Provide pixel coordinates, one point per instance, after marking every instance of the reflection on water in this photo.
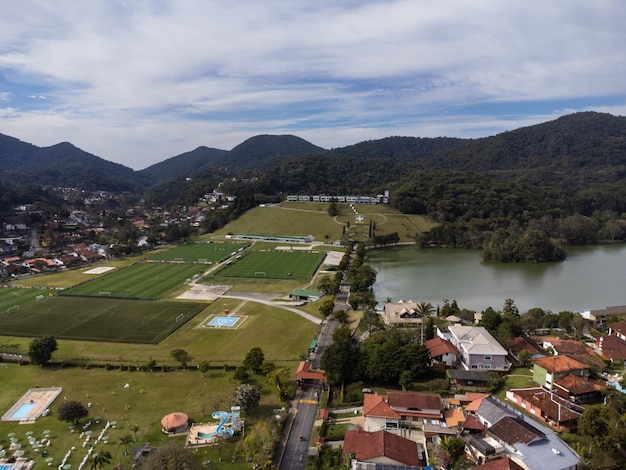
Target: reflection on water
(590, 278)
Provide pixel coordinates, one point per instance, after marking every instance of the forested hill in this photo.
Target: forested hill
(62, 164)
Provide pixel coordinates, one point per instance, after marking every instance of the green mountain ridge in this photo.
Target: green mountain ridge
(287, 163)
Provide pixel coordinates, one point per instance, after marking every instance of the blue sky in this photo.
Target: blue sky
(136, 82)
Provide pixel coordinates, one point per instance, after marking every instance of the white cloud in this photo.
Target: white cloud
(129, 80)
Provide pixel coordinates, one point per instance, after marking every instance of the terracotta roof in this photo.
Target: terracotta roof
(439, 346)
(453, 417)
(556, 408)
(503, 463)
(577, 385)
(612, 347)
(576, 350)
(471, 396)
(174, 420)
(473, 424)
(474, 405)
(618, 326)
(515, 430)
(366, 446)
(376, 405)
(414, 400)
(555, 364)
(304, 372)
(522, 343)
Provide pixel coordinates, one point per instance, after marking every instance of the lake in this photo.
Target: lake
(590, 278)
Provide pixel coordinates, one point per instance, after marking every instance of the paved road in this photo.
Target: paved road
(292, 452)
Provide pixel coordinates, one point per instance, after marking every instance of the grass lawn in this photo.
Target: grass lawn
(14, 299)
(299, 265)
(148, 398)
(71, 277)
(192, 252)
(142, 280)
(518, 377)
(99, 319)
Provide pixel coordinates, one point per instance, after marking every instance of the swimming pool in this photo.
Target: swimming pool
(22, 412)
(5, 467)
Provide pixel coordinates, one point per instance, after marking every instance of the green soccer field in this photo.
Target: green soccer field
(99, 319)
(12, 299)
(275, 265)
(139, 281)
(192, 252)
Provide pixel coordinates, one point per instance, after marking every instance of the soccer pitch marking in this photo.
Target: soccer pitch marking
(220, 321)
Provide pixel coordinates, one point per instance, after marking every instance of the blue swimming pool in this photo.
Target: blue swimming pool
(5, 467)
(21, 412)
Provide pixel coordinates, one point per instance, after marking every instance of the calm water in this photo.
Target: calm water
(590, 278)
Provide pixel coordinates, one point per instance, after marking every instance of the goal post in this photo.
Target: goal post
(259, 274)
(180, 317)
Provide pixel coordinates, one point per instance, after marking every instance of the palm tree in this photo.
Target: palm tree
(425, 309)
(125, 441)
(135, 429)
(101, 459)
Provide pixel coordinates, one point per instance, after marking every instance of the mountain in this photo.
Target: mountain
(262, 150)
(62, 164)
(286, 163)
(185, 164)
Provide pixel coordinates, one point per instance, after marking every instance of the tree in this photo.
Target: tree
(370, 322)
(100, 459)
(341, 316)
(247, 397)
(254, 360)
(204, 367)
(172, 456)
(524, 358)
(181, 356)
(260, 441)
(72, 411)
(327, 307)
(406, 377)
(40, 350)
(125, 441)
(594, 422)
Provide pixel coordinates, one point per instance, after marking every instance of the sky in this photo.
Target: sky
(139, 81)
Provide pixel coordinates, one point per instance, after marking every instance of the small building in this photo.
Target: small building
(547, 406)
(612, 348)
(175, 423)
(305, 374)
(398, 410)
(579, 390)
(468, 379)
(305, 295)
(382, 447)
(443, 351)
(547, 370)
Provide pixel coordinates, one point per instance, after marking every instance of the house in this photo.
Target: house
(443, 351)
(547, 406)
(612, 347)
(547, 370)
(579, 390)
(601, 316)
(618, 329)
(402, 314)
(399, 409)
(575, 350)
(478, 349)
(526, 343)
(528, 443)
(501, 463)
(468, 379)
(383, 447)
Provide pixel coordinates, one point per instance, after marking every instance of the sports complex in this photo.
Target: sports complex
(141, 303)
